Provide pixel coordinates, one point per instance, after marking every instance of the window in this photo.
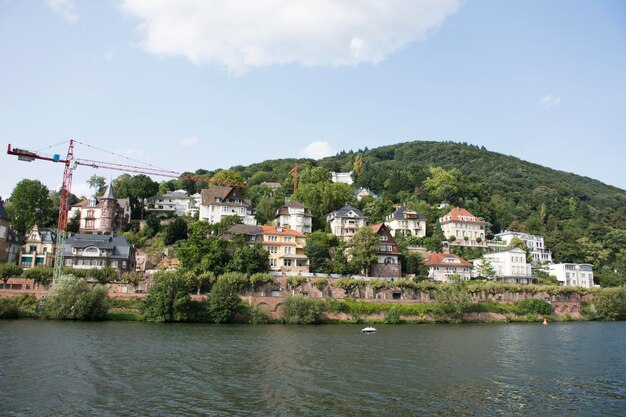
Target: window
(384, 238)
(114, 264)
(390, 260)
(273, 262)
(287, 250)
(287, 262)
(32, 249)
(272, 249)
(287, 238)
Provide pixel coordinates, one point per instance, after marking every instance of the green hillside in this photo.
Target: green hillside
(581, 219)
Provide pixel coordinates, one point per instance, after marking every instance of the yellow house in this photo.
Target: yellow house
(286, 249)
(38, 249)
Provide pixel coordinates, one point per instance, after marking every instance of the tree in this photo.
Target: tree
(317, 249)
(168, 298)
(9, 271)
(177, 230)
(97, 183)
(454, 298)
(228, 177)
(136, 188)
(73, 226)
(30, 205)
(224, 301)
(152, 224)
(442, 185)
(358, 165)
(362, 252)
(485, 269)
(322, 198)
(71, 298)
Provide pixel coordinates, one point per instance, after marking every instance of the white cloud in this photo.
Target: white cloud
(188, 142)
(65, 8)
(81, 189)
(317, 149)
(549, 101)
(244, 34)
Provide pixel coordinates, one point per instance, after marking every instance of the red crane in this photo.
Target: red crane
(70, 165)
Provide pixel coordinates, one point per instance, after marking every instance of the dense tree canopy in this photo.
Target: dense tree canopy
(30, 205)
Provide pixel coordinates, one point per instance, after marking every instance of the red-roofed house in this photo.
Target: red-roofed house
(462, 228)
(388, 263)
(286, 249)
(442, 265)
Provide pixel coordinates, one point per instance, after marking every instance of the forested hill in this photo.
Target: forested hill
(582, 219)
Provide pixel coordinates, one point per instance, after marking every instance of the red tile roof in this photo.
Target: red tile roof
(284, 231)
(438, 259)
(460, 214)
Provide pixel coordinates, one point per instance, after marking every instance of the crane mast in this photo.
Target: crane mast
(66, 189)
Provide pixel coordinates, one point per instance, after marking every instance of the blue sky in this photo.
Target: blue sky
(186, 85)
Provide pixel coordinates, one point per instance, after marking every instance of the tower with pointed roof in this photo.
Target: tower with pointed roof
(108, 206)
(104, 214)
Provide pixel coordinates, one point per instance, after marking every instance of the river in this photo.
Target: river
(123, 369)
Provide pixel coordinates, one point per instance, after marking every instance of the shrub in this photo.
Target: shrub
(104, 275)
(224, 302)
(533, 306)
(610, 304)
(393, 316)
(71, 298)
(9, 308)
(259, 314)
(168, 298)
(298, 309)
(41, 274)
(9, 271)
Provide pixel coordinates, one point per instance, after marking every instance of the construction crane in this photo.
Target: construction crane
(71, 164)
(294, 171)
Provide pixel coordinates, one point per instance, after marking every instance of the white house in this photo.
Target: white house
(509, 265)
(462, 228)
(295, 216)
(218, 202)
(175, 202)
(360, 193)
(406, 222)
(345, 222)
(535, 243)
(580, 275)
(343, 177)
(442, 265)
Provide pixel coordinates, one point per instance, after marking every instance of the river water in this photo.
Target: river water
(123, 369)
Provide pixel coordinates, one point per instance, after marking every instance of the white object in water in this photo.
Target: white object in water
(368, 330)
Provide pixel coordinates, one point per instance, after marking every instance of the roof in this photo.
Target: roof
(376, 227)
(403, 211)
(118, 244)
(438, 259)
(3, 213)
(218, 191)
(461, 214)
(245, 229)
(343, 212)
(283, 231)
(359, 191)
(284, 209)
(109, 194)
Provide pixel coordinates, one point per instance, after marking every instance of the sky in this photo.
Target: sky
(188, 84)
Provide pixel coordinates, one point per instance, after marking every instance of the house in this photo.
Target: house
(38, 249)
(387, 252)
(342, 177)
(286, 249)
(535, 243)
(219, 201)
(295, 216)
(462, 228)
(345, 222)
(252, 234)
(442, 265)
(406, 222)
(360, 193)
(177, 202)
(104, 214)
(87, 251)
(580, 275)
(509, 266)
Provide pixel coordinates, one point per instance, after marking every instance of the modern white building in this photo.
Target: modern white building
(580, 275)
(406, 222)
(175, 202)
(343, 177)
(360, 193)
(442, 265)
(462, 228)
(345, 222)
(509, 265)
(535, 243)
(218, 202)
(295, 216)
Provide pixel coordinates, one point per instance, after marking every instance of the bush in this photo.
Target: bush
(393, 316)
(41, 274)
(168, 298)
(609, 304)
(298, 309)
(259, 314)
(104, 275)
(533, 306)
(71, 298)
(9, 271)
(9, 308)
(224, 301)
